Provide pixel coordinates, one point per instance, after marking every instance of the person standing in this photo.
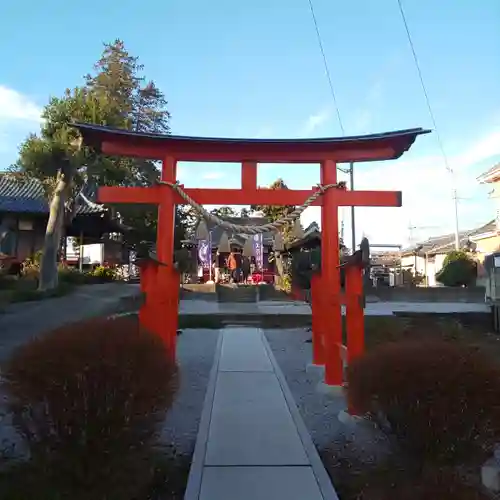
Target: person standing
(234, 265)
(239, 262)
(245, 268)
(231, 264)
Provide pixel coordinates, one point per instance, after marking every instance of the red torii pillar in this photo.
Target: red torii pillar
(160, 312)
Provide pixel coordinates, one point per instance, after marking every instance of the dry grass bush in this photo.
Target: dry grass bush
(393, 478)
(442, 399)
(87, 400)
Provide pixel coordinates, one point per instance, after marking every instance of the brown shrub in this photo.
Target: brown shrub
(442, 399)
(443, 484)
(392, 478)
(89, 396)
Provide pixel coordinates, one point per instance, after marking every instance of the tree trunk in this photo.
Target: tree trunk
(278, 265)
(4, 231)
(53, 233)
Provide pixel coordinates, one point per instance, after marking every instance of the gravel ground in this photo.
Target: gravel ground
(195, 354)
(319, 410)
(20, 322)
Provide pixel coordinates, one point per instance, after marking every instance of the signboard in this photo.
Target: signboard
(258, 250)
(25, 225)
(205, 252)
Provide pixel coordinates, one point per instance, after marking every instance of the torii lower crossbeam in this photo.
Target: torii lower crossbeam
(155, 194)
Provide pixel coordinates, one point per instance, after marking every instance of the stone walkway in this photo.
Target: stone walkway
(252, 443)
(301, 308)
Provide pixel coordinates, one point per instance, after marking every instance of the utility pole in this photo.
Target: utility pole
(457, 234)
(350, 171)
(410, 232)
(353, 221)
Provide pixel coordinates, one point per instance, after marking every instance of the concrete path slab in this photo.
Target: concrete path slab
(251, 423)
(243, 351)
(259, 483)
(252, 443)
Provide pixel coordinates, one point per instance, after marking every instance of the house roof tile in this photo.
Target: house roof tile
(446, 243)
(236, 237)
(28, 196)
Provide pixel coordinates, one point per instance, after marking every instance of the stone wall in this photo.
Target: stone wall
(426, 294)
(207, 291)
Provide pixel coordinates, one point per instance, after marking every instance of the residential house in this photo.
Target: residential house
(492, 176)
(488, 239)
(427, 257)
(24, 213)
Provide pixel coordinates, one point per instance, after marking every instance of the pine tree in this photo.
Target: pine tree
(116, 95)
(117, 78)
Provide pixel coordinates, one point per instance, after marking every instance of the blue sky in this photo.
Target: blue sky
(254, 69)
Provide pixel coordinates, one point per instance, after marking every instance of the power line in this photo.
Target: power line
(327, 70)
(424, 89)
(433, 118)
(339, 117)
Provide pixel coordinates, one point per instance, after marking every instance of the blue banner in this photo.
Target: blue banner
(258, 251)
(205, 252)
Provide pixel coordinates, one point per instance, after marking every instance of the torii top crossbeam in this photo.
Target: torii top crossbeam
(374, 147)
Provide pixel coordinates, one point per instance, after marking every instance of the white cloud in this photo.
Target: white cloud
(362, 121)
(4, 142)
(264, 132)
(426, 188)
(209, 176)
(365, 116)
(315, 121)
(15, 106)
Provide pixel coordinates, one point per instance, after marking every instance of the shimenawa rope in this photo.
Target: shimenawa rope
(252, 229)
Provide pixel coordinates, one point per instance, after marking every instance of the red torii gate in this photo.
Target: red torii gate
(161, 284)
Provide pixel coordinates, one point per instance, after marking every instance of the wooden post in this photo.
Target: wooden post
(355, 320)
(318, 351)
(248, 176)
(329, 302)
(80, 258)
(146, 311)
(165, 287)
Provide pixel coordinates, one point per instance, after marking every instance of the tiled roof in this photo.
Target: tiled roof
(239, 238)
(22, 196)
(445, 243)
(28, 196)
(390, 259)
(487, 228)
(490, 175)
(312, 233)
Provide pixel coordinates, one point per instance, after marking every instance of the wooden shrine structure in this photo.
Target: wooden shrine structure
(160, 281)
